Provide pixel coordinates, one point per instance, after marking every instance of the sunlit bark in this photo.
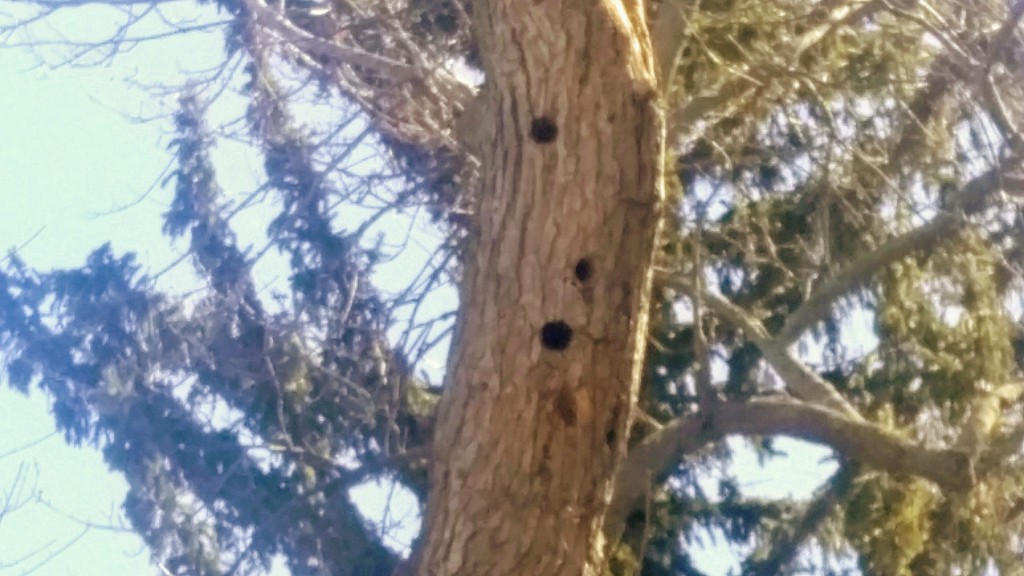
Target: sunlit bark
(546, 363)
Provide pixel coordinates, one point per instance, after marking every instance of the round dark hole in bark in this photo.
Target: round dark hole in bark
(556, 335)
(543, 130)
(636, 518)
(583, 270)
(609, 437)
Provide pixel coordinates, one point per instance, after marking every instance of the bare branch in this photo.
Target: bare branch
(56, 4)
(27, 445)
(310, 43)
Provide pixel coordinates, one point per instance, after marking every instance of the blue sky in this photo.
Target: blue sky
(66, 157)
(69, 156)
(77, 169)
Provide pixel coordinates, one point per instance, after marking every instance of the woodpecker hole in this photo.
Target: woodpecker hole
(583, 270)
(609, 437)
(636, 518)
(556, 335)
(543, 130)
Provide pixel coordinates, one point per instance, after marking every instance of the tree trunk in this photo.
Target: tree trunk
(549, 347)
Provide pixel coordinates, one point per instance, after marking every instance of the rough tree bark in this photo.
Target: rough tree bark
(548, 351)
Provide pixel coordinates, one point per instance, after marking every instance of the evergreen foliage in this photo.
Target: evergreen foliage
(829, 160)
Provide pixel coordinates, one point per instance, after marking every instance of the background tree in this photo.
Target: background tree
(838, 159)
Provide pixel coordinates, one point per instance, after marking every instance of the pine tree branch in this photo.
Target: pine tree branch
(803, 382)
(858, 440)
(971, 199)
(719, 100)
(783, 552)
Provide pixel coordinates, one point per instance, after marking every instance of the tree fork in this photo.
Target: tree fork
(546, 361)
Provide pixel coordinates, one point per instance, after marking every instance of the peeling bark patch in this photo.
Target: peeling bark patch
(556, 335)
(565, 406)
(543, 130)
(583, 270)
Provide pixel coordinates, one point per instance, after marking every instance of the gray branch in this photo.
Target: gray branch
(307, 42)
(861, 441)
(667, 35)
(801, 381)
(970, 199)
